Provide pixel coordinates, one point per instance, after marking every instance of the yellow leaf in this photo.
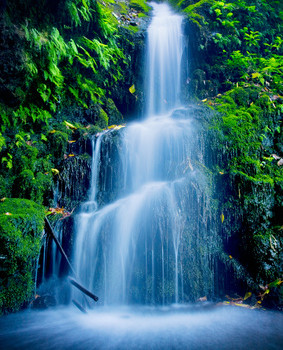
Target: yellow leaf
(243, 305)
(222, 217)
(72, 141)
(255, 75)
(52, 131)
(3, 199)
(221, 173)
(230, 256)
(204, 100)
(69, 125)
(116, 127)
(71, 155)
(132, 89)
(8, 213)
(55, 171)
(247, 295)
(119, 127)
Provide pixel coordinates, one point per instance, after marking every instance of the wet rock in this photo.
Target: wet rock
(44, 302)
(115, 117)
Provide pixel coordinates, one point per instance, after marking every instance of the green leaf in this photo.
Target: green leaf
(43, 137)
(255, 75)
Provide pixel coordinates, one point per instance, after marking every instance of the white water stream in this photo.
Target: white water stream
(129, 249)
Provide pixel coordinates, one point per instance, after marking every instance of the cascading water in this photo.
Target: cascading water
(164, 54)
(146, 234)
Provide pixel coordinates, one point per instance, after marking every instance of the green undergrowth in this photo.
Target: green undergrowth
(192, 9)
(71, 61)
(140, 5)
(249, 133)
(237, 72)
(21, 228)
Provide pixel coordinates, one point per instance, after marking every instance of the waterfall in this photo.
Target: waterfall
(149, 237)
(164, 54)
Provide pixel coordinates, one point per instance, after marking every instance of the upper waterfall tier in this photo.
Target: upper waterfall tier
(164, 52)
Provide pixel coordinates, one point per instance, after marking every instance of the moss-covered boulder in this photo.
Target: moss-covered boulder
(21, 227)
(139, 5)
(115, 117)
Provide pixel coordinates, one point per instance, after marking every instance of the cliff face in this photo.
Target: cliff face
(234, 51)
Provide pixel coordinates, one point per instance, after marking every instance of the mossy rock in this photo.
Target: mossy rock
(21, 227)
(139, 5)
(240, 96)
(115, 117)
(97, 116)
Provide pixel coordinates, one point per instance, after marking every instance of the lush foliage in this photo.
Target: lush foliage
(21, 227)
(247, 37)
(69, 57)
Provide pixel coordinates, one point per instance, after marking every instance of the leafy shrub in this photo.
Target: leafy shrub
(21, 227)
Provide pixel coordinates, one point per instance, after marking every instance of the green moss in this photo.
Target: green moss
(133, 29)
(58, 141)
(139, 5)
(192, 9)
(141, 15)
(102, 118)
(21, 226)
(240, 96)
(115, 117)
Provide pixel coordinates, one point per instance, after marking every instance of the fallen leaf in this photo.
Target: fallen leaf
(132, 89)
(55, 171)
(247, 295)
(112, 126)
(69, 125)
(280, 162)
(53, 211)
(222, 217)
(230, 256)
(244, 305)
(202, 299)
(3, 199)
(275, 156)
(8, 213)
